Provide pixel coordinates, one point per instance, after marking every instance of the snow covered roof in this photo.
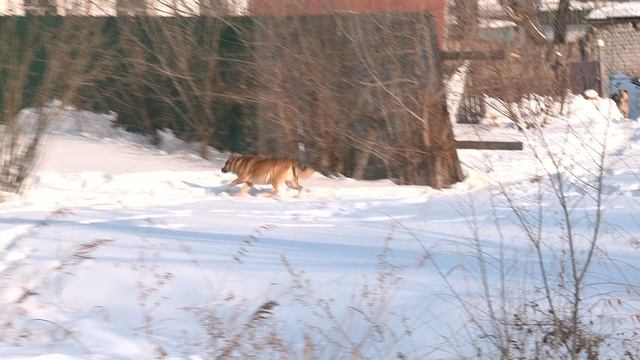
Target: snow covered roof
(496, 23)
(546, 5)
(574, 32)
(552, 5)
(616, 11)
(599, 9)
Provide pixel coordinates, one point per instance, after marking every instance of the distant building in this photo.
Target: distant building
(493, 16)
(616, 32)
(616, 28)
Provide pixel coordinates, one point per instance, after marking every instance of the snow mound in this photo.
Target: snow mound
(541, 110)
(611, 10)
(573, 140)
(67, 120)
(596, 109)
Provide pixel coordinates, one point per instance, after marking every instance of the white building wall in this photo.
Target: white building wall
(11, 7)
(108, 7)
(86, 7)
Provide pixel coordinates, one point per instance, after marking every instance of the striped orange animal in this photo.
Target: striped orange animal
(254, 169)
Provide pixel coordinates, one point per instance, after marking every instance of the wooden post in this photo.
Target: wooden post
(489, 145)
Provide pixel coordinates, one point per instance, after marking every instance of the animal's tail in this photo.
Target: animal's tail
(302, 172)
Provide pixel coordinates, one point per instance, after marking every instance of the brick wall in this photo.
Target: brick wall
(620, 51)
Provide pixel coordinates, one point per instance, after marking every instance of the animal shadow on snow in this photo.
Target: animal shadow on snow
(224, 189)
(208, 189)
(636, 136)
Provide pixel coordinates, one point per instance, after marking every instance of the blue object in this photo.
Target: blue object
(618, 81)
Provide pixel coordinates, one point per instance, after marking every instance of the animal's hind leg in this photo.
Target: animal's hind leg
(294, 185)
(275, 189)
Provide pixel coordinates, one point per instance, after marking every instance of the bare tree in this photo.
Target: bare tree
(560, 22)
(524, 14)
(405, 73)
(344, 90)
(555, 312)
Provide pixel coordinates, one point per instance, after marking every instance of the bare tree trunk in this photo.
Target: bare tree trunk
(443, 164)
(523, 13)
(205, 137)
(364, 153)
(560, 22)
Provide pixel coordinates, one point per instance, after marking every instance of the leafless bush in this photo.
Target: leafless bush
(182, 64)
(16, 323)
(41, 59)
(246, 334)
(562, 306)
(250, 241)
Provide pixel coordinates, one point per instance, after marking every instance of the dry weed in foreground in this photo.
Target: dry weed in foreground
(17, 323)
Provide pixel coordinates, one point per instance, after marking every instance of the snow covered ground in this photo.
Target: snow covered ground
(122, 250)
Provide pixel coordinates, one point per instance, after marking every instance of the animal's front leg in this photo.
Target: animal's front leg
(244, 190)
(235, 182)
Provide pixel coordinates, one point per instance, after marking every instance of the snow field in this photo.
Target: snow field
(165, 242)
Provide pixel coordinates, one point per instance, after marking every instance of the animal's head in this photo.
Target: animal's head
(303, 172)
(624, 94)
(228, 164)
